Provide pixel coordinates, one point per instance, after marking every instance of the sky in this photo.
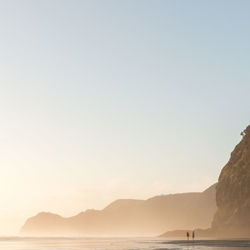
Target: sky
(102, 100)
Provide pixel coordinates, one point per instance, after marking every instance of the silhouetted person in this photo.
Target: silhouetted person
(193, 235)
(187, 235)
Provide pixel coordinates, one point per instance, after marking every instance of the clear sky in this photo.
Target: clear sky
(102, 100)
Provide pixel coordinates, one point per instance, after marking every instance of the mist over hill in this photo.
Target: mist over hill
(130, 217)
(225, 204)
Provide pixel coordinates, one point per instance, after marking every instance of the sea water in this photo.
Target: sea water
(18, 243)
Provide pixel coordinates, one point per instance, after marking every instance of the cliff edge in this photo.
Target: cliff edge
(233, 192)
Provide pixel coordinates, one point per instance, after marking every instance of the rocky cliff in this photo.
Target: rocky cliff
(232, 218)
(233, 192)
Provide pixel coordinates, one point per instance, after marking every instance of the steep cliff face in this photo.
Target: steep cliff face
(233, 192)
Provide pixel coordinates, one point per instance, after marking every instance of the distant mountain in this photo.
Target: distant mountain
(131, 217)
(232, 219)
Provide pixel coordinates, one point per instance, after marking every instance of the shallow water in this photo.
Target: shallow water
(16, 243)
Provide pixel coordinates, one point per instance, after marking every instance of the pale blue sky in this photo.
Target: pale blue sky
(107, 99)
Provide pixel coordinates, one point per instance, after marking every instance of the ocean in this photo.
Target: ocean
(19, 243)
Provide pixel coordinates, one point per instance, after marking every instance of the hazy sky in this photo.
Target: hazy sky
(102, 100)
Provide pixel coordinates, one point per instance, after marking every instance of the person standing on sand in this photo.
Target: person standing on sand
(193, 235)
(187, 235)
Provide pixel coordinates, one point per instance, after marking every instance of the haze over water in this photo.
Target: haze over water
(116, 244)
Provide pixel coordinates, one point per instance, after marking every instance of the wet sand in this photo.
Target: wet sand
(19, 243)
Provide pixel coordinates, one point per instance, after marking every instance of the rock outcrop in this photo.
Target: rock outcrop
(232, 218)
(233, 192)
